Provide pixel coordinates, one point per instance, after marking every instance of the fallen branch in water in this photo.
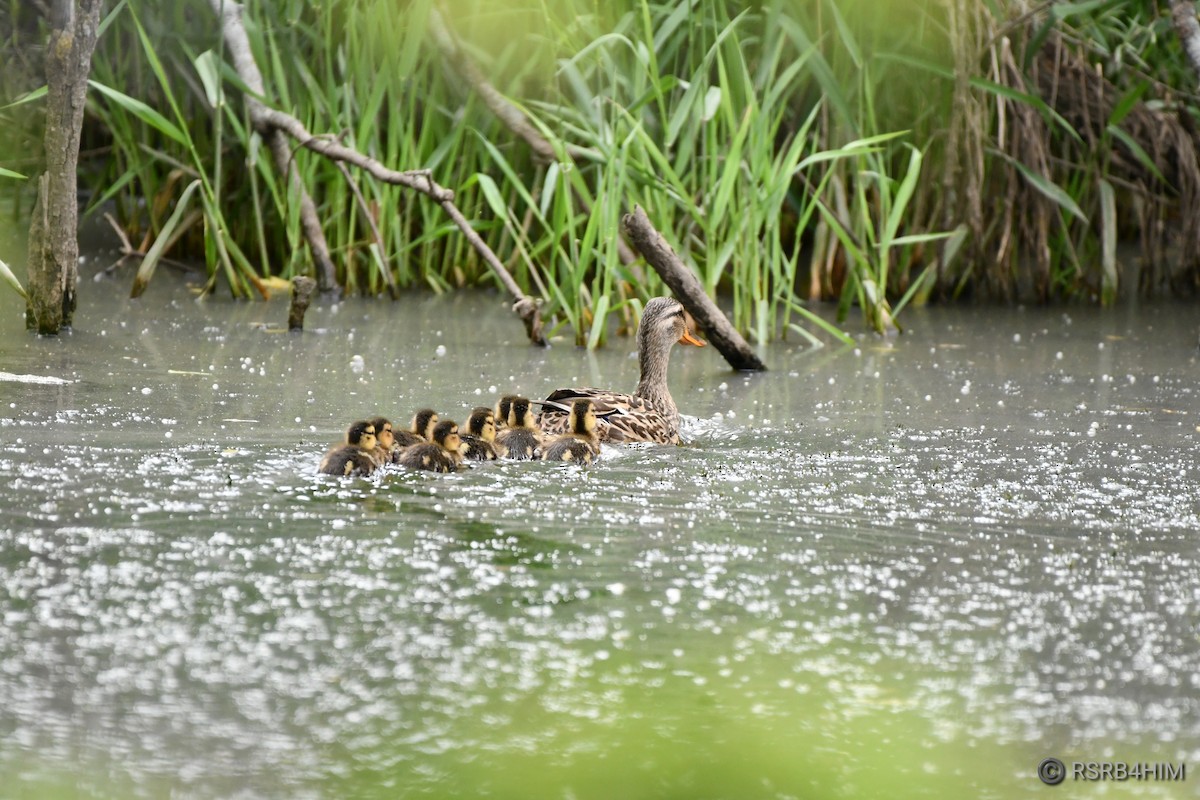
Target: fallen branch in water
(278, 123)
(687, 289)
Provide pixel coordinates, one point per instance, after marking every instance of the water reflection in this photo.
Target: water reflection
(912, 568)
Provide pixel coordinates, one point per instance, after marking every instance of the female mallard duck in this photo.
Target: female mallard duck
(649, 414)
(479, 442)
(386, 450)
(579, 444)
(356, 455)
(440, 455)
(521, 438)
(420, 431)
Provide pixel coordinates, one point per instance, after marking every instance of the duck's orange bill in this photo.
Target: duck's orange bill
(687, 338)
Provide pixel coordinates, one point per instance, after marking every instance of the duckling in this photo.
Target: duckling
(386, 451)
(580, 444)
(503, 406)
(479, 441)
(441, 455)
(521, 438)
(355, 456)
(420, 431)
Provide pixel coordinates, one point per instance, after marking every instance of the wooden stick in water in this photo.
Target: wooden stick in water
(302, 292)
(687, 289)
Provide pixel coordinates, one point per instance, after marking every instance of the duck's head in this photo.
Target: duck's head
(583, 418)
(503, 406)
(383, 432)
(520, 415)
(482, 423)
(361, 434)
(423, 423)
(663, 325)
(445, 436)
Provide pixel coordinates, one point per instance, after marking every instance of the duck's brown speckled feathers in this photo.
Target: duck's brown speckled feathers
(648, 414)
(521, 439)
(440, 455)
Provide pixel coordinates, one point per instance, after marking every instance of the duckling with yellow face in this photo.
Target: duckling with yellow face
(356, 455)
(521, 438)
(580, 444)
(386, 451)
(479, 442)
(419, 431)
(443, 454)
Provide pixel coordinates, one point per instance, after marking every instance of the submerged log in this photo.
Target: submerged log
(53, 235)
(687, 289)
(302, 292)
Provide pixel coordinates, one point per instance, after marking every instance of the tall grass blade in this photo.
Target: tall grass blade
(28, 97)
(599, 319)
(11, 280)
(146, 269)
(1046, 187)
(142, 111)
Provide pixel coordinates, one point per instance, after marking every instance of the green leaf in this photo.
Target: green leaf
(142, 111)
(1061, 11)
(1138, 151)
(29, 97)
(11, 280)
(1046, 187)
(821, 323)
(8, 173)
(900, 202)
(1038, 103)
(848, 40)
(146, 270)
(491, 193)
(209, 70)
(549, 185)
(598, 320)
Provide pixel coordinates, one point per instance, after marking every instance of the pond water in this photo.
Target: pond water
(907, 568)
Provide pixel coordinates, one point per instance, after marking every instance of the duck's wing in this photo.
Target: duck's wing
(621, 417)
(640, 424)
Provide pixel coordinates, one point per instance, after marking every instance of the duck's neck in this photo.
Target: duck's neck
(653, 384)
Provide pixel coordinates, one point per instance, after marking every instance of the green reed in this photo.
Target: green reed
(790, 152)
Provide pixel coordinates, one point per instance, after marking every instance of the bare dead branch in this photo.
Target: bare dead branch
(1183, 15)
(687, 289)
(278, 123)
